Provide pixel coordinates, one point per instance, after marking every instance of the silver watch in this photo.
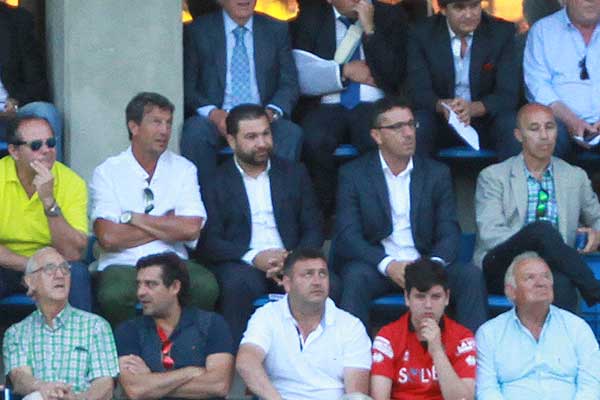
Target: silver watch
(125, 217)
(54, 210)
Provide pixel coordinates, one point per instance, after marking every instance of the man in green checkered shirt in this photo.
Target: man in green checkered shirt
(58, 352)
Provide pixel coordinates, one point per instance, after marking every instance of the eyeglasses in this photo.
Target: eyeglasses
(542, 204)
(397, 127)
(50, 269)
(165, 350)
(583, 75)
(148, 200)
(35, 145)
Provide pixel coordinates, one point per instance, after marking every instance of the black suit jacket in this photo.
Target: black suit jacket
(364, 215)
(22, 69)
(205, 63)
(493, 70)
(228, 229)
(314, 31)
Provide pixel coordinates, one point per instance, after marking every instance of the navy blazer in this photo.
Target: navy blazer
(364, 214)
(228, 229)
(493, 72)
(205, 63)
(22, 69)
(385, 52)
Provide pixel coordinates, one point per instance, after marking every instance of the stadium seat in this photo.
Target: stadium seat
(592, 314)
(467, 153)
(17, 300)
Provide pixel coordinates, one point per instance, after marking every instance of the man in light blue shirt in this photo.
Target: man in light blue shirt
(536, 350)
(561, 68)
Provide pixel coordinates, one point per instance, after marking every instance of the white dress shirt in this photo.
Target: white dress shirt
(118, 185)
(3, 96)
(311, 369)
(264, 234)
(399, 246)
(367, 93)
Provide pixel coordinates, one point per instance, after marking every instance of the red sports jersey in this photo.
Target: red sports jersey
(398, 355)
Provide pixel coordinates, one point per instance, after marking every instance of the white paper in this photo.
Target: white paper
(592, 142)
(349, 43)
(466, 132)
(316, 76)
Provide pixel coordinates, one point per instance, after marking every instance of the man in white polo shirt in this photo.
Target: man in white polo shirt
(303, 346)
(146, 200)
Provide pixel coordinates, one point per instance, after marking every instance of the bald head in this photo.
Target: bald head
(529, 109)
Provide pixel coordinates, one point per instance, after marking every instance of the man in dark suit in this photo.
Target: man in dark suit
(23, 85)
(343, 115)
(466, 60)
(262, 208)
(232, 57)
(394, 208)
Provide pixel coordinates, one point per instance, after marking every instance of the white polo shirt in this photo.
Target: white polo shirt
(118, 185)
(312, 369)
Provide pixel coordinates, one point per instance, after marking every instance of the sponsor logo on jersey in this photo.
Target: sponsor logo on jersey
(423, 375)
(470, 360)
(466, 345)
(383, 346)
(377, 357)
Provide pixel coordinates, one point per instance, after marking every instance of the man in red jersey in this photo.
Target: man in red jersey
(424, 354)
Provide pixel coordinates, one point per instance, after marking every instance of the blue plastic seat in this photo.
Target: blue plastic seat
(17, 300)
(592, 314)
(588, 157)
(3, 145)
(465, 152)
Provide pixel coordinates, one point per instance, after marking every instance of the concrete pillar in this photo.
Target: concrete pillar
(101, 53)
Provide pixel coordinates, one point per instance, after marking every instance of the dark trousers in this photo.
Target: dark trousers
(201, 142)
(496, 133)
(568, 268)
(468, 299)
(325, 127)
(80, 295)
(240, 285)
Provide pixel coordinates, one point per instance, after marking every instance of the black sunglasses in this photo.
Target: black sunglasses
(542, 204)
(583, 75)
(148, 200)
(35, 145)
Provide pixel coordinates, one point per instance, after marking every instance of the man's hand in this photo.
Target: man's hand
(134, 364)
(462, 108)
(358, 71)
(270, 259)
(276, 273)
(593, 240)
(429, 330)
(578, 127)
(11, 105)
(54, 390)
(365, 11)
(43, 183)
(271, 114)
(395, 271)
(217, 117)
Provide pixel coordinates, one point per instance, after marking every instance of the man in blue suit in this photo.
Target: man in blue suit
(394, 208)
(232, 57)
(262, 208)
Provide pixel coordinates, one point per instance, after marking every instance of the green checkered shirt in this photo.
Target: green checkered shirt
(533, 187)
(79, 349)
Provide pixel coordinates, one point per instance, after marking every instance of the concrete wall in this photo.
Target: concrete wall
(100, 54)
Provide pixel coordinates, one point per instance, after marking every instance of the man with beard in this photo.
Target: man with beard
(262, 208)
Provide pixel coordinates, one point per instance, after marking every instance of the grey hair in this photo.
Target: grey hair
(32, 263)
(509, 277)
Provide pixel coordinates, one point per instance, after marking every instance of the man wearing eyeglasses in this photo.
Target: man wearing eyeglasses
(562, 71)
(146, 200)
(42, 203)
(58, 352)
(536, 202)
(395, 207)
(173, 350)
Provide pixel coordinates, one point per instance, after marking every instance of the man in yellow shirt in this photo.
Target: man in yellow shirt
(42, 203)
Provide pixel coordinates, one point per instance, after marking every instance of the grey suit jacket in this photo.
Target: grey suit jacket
(205, 63)
(501, 202)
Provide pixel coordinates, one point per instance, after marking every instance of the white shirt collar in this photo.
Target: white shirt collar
(328, 319)
(164, 157)
(244, 174)
(385, 166)
(230, 24)
(454, 35)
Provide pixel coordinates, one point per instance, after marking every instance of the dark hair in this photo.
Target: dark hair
(142, 103)
(300, 255)
(424, 274)
(384, 105)
(243, 112)
(444, 3)
(173, 269)
(12, 129)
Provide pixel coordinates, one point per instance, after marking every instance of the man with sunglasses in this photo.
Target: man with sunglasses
(146, 200)
(58, 352)
(173, 350)
(562, 71)
(536, 202)
(42, 203)
(395, 207)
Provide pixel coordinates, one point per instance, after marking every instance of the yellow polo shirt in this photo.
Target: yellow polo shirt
(23, 224)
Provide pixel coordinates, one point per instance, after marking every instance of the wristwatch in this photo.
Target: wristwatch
(125, 217)
(54, 210)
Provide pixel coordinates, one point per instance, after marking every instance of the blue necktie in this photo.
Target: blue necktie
(350, 97)
(240, 69)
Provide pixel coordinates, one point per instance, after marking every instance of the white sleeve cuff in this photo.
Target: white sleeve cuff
(439, 260)
(249, 256)
(205, 111)
(383, 265)
(275, 108)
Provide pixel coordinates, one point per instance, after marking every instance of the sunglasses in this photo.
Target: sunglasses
(397, 127)
(35, 145)
(148, 200)
(583, 75)
(165, 350)
(50, 269)
(542, 204)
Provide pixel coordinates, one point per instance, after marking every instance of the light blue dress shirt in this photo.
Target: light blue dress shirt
(562, 365)
(462, 66)
(228, 104)
(551, 66)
